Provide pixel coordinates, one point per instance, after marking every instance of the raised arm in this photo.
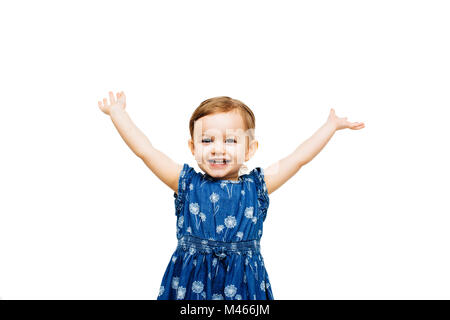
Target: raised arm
(281, 171)
(161, 165)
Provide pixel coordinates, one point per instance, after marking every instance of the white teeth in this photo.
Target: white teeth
(218, 161)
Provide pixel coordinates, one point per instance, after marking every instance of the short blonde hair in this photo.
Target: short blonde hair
(224, 104)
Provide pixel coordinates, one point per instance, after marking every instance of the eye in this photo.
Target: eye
(206, 140)
(232, 140)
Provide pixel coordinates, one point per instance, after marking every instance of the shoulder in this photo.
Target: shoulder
(257, 174)
(187, 175)
(186, 171)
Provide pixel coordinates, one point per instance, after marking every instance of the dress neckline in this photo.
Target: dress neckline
(208, 177)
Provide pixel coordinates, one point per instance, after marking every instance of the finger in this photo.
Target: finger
(111, 97)
(105, 101)
(99, 103)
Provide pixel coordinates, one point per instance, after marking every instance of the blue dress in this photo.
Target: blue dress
(219, 227)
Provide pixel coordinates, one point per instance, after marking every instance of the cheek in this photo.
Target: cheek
(240, 148)
(202, 152)
(237, 151)
(198, 152)
(232, 149)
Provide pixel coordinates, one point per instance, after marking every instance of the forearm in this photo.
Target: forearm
(131, 134)
(312, 146)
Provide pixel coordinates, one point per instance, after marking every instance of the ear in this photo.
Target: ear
(251, 150)
(191, 146)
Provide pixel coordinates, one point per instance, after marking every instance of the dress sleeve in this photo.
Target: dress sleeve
(261, 190)
(184, 180)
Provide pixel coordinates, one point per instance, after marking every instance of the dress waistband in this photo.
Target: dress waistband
(220, 248)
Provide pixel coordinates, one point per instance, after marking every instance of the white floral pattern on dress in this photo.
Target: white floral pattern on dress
(175, 282)
(197, 287)
(181, 292)
(194, 208)
(219, 228)
(180, 221)
(263, 285)
(214, 197)
(225, 185)
(248, 212)
(230, 290)
(217, 296)
(230, 222)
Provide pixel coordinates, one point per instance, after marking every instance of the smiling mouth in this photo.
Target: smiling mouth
(219, 162)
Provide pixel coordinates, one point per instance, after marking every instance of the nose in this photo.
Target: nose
(218, 147)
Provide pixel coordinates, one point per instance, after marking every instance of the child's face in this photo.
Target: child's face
(221, 136)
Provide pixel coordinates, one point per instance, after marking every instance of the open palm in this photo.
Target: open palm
(343, 123)
(114, 102)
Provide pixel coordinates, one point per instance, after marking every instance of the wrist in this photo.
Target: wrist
(332, 125)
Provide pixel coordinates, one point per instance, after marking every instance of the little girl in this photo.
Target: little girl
(220, 212)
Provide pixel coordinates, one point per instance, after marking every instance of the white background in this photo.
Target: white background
(81, 217)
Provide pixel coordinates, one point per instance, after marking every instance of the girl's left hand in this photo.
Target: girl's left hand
(342, 123)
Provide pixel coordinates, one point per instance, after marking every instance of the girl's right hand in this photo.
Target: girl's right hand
(120, 102)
